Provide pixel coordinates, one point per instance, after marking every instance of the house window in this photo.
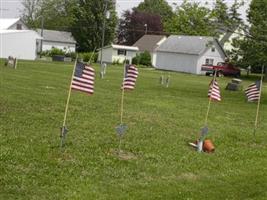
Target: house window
(209, 61)
(122, 52)
(212, 49)
(19, 26)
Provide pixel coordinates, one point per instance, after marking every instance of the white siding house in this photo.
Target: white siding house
(188, 53)
(150, 43)
(18, 43)
(56, 39)
(12, 24)
(117, 53)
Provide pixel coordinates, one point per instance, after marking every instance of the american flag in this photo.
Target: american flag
(214, 91)
(130, 78)
(83, 79)
(253, 91)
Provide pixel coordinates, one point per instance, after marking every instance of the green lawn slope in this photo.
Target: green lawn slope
(161, 121)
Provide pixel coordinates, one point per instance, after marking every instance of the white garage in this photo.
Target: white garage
(19, 43)
(188, 53)
(117, 53)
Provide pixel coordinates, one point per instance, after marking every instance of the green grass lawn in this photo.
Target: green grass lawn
(161, 121)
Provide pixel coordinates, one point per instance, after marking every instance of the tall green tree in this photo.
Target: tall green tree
(220, 13)
(234, 14)
(89, 18)
(222, 18)
(190, 19)
(56, 14)
(30, 12)
(156, 7)
(253, 49)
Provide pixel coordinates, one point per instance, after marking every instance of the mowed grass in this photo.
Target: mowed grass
(161, 121)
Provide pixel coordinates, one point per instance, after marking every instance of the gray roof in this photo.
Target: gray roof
(185, 44)
(57, 36)
(148, 42)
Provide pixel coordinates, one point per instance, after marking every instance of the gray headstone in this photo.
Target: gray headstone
(233, 86)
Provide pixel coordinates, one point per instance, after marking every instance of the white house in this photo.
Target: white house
(188, 53)
(18, 43)
(12, 24)
(117, 53)
(150, 43)
(56, 39)
(17, 40)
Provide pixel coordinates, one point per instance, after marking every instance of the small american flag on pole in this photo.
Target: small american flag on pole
(253, 91)
(130, 78)
(83, 79)
(214, 91)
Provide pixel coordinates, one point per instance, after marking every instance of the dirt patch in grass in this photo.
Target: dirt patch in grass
(122, 154)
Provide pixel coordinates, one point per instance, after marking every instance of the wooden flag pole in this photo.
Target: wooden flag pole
(208, 110)
(201, 137)
(92, 55)
(122, 103)
(258, 106)
(67, 107)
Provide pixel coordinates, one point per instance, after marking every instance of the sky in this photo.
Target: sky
(12, 8)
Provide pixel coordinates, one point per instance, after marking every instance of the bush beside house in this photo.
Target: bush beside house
(142, 59)
(61, 55)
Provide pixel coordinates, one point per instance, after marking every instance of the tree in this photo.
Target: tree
(30, 11)
(220, 17)
(56, 14)
(134, 25)
(84, 18)
(220, 13)
(190, 19)
(156, 7)
(234, 15)
(253, 50)
(88, 24)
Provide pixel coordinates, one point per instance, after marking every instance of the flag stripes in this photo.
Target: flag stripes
(83, 79)
(131, 76)
(253, 91)
(214, 91)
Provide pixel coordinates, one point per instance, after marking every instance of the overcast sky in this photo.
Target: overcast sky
(12, 8)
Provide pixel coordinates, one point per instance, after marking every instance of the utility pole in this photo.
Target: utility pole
(42, 33)
(103, 32)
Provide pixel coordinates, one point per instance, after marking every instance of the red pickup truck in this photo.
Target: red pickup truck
(222, 68)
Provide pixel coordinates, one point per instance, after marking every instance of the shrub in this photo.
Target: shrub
(136, 60)
(56, 51)
(44, 53)
(145, 59)
(86, 56)
(116, 62)
(142, 59)
(72, 55)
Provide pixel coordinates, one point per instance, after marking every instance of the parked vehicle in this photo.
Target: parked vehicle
(222, 69)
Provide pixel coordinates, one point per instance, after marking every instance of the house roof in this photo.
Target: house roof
(5, 23)
(37, 36)
(116, 46)
(57, 36)
(148, 42)
(133, 48)
(186, 44)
